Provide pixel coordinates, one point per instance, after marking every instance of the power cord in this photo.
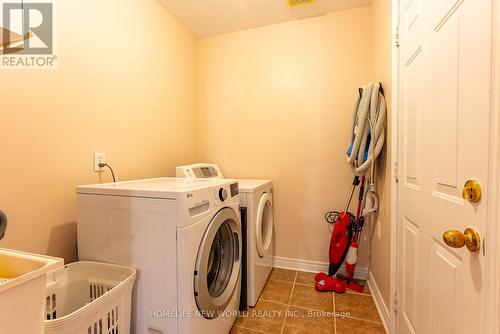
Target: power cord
(331, 218)
(102, 165)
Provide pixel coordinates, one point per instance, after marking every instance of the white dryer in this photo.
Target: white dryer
(184, 238)
(257, 215)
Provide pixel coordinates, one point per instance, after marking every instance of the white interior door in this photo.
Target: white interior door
(445, 68)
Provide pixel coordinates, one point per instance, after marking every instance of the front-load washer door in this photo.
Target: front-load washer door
(264, 225)
(218, 264)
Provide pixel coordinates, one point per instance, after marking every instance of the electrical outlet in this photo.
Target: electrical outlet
(379, 230)
(99, 158)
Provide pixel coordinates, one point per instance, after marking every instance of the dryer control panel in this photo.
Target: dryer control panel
(199, 171)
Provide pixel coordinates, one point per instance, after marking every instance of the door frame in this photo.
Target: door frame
(394, 260)
(492, 242)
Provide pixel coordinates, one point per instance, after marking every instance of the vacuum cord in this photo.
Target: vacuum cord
(331, 217)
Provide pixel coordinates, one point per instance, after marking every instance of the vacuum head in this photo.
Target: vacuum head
(351, 284)
(325, 283)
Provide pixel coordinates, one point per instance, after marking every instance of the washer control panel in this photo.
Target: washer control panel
(220, 194)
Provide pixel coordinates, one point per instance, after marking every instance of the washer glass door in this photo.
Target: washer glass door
(218, 264)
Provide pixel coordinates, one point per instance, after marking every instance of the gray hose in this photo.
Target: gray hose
(371, 105)
(369, 117)
(3, 224)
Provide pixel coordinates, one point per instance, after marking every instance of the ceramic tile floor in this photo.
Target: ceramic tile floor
(289, 304)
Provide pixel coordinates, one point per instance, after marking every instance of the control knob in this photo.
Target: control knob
(222, 194)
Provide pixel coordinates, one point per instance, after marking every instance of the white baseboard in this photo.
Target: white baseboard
(359, 273)
(382, 308)
(302, 265)
(314, 266)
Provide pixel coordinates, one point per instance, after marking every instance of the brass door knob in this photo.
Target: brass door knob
(457, 239)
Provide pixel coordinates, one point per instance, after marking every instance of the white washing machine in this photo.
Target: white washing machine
(256, 197)
(184, 238)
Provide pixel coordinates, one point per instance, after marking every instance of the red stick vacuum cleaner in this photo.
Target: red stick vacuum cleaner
(339, 245)
(352, 254)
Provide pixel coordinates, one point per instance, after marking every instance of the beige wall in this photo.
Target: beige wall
(125, 86)
(275, 102)
(382, 63)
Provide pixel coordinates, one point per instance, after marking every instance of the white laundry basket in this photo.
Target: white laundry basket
(89, 298)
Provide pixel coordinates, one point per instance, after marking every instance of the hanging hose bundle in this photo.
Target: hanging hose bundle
(368, 138)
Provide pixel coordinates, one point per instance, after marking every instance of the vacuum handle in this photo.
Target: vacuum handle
(362, 190)
(360, 198)
(355, 181)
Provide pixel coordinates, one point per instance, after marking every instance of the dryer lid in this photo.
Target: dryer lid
(253, 185)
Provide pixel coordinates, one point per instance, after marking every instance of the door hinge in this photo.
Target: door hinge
(396, 38)
(395, 298)
(396, 172)
(484, 246)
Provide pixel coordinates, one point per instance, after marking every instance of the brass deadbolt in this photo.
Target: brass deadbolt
(472, 191)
